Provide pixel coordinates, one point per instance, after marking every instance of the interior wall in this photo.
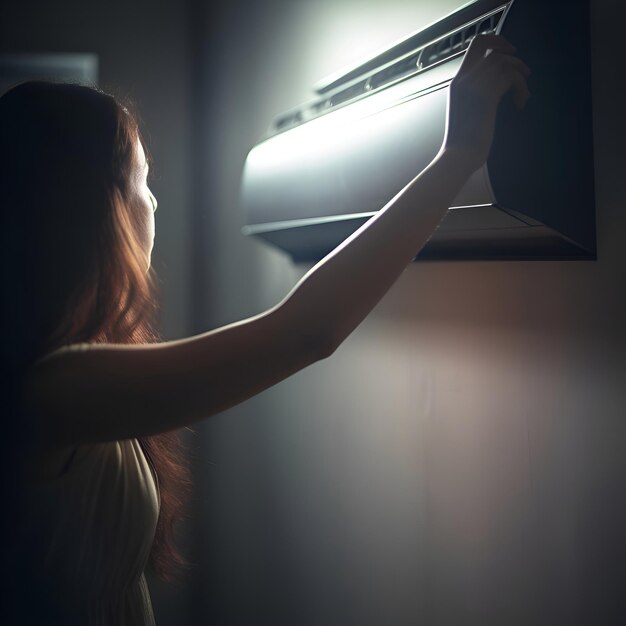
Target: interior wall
(461, 457)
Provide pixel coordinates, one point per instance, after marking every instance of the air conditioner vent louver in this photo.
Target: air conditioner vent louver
(398, 70)
(348, 94)
(288, 121)
(424, 57)
(458, 41)
(395, 71)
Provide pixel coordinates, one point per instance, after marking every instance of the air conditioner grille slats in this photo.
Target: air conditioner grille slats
(458, 41)
(395, 71)
(288, 121)
(425, 57)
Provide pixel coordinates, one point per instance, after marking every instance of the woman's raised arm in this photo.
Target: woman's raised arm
(110, 392)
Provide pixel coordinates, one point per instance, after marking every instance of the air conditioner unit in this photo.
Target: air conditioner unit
(327, 166)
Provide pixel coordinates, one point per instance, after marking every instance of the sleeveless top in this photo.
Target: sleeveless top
(92, 528)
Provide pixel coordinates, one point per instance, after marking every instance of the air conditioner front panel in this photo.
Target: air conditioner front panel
(355, 159)
(327, 166)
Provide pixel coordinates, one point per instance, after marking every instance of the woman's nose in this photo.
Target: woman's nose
(155, 204)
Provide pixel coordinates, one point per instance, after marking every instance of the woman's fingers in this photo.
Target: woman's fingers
(478, 49)
(498, 61)
(476, 91)
(501, 72)
(520, 87)
(514, 80)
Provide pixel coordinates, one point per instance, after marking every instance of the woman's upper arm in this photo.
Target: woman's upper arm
(111, 392)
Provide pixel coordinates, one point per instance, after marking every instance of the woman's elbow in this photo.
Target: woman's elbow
(318, 345)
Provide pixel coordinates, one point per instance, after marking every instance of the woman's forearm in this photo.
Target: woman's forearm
(337, 294)
(333, 298)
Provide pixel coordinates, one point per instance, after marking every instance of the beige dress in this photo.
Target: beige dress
(93, 526)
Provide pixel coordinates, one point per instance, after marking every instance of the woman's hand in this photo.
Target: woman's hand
(474, 94)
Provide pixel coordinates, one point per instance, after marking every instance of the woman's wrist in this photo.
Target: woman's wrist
(460, 159)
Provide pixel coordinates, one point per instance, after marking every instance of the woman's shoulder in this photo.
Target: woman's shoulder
(70, 348)
(46, 461)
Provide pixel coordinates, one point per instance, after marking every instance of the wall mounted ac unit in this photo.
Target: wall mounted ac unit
(328, 165)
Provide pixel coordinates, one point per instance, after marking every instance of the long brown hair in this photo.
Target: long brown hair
(78, 271)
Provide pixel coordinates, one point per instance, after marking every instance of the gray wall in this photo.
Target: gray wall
(460, 459)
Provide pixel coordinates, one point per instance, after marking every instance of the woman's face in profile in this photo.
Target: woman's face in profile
(147, 203)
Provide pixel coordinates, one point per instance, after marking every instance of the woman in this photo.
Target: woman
(95, 399)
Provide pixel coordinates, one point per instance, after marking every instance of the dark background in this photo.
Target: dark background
(461, 458)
